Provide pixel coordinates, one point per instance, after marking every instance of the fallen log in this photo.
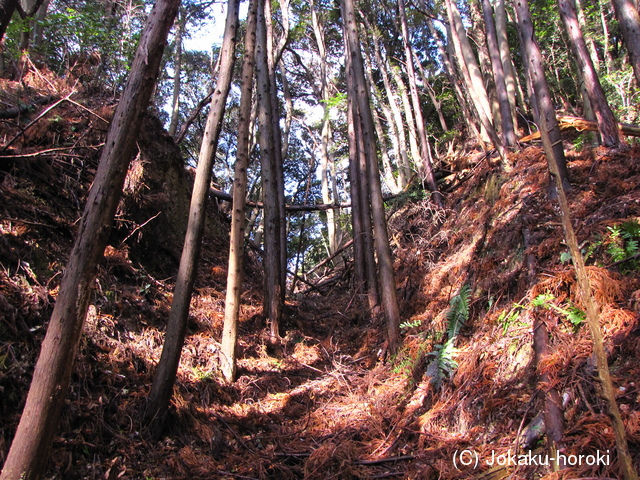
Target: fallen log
(567, 122)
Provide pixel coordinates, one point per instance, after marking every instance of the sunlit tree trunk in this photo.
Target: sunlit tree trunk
(383, 249)
(29, 453)
(453, 81)
(545, 114)
(607, 124)
(629, 21)
(508, 130)
(177, 72)
(514, 92)
(426, 165)
(326, 161)
(236, 243)
(165, 375)
(472, 75)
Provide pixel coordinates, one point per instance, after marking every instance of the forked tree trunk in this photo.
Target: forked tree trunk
(165, 375)
(236, 250)
(629, 20)
(28, 456)
(383, 249)
(607, 123)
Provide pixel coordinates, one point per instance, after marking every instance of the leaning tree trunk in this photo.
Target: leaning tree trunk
(383, 249)
(510, 78)
(28, 456)
(7, 7)
(629, 21)
(542, 105)
(165, 375)
(236, 250)
(607, 123)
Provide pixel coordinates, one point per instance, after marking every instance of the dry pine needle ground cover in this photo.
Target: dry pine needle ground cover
(326, 403)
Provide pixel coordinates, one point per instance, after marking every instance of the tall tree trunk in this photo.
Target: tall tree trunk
(383, 249)
(508, 130)
(29, 453)
(269, 153)
(177, 72)
(397, 124)
(607, 123)
(326, 160)
(236, 243)
(546, 114)
(425, 150)
(472, 75)
(514, 92)
(274, 53)
(453, 80)
(165, 375)
(629, 21)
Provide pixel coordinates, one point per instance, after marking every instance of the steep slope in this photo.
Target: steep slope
(326, 403)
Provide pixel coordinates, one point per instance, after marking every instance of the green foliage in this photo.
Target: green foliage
(458, 312)
(573, 314)
(623, 242)
(508, 318)
(414, 324)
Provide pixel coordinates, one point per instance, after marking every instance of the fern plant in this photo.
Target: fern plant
(443, 363)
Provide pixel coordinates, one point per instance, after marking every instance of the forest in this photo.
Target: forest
(347, 239)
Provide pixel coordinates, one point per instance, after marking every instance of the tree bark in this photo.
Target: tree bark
(269, 148)
(165, 375)
(629, 21)
(177, 71)
(7, 7)
(601, 109)
(508, 131)
(511, 80)
(542, 104)
(236, 243)
(28, 456)
(425, 149)
(383, 249)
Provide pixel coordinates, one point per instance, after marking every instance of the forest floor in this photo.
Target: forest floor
(328, 402)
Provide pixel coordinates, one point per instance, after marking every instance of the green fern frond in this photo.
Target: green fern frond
(458, 312)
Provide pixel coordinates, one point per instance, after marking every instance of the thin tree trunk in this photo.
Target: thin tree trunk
(472, 75)
(177, 72)
(236, 243)
(511, 80)
(453, 80)
(383, 249)
(604, 115)
(542, 104)
(29, 453)
(425, 149)
(508, 130)
(165, 375)
(629, 21)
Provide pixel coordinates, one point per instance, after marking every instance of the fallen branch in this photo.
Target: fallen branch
(48, 151)
(42, 114)
(386, 460)
(566, 122)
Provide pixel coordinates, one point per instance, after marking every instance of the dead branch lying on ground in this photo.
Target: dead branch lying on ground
(567, 122)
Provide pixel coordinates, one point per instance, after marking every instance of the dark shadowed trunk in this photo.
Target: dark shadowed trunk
(28, 456)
